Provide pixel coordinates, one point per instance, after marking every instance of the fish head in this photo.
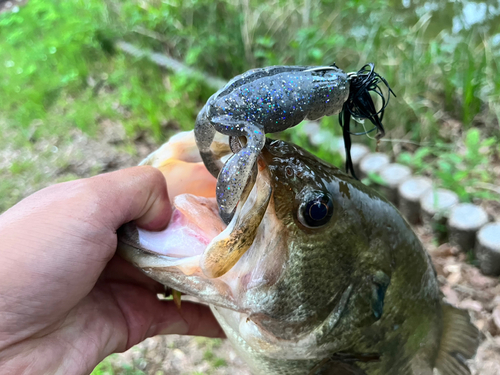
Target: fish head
(326, 252)
(316, 264)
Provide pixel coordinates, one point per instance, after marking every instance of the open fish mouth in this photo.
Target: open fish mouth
(197, 253)
(182, 243)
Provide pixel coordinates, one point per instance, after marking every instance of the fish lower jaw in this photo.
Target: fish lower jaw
(180, 246)
(150, 260)
(241, 326)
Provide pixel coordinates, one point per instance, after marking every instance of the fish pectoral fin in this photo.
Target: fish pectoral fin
(344, 364)
(459, 342)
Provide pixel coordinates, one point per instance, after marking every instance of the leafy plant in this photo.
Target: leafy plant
(104, 368)
(208, 355)
(463, 169)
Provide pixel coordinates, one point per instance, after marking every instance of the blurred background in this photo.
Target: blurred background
(92, 86)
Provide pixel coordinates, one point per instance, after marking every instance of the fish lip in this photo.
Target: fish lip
(228, 291)
(142, 257)
(129, 234)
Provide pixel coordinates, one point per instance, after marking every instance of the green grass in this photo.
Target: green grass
(461, 167)
(55, 62)
(104, 368)
(60, 70)
(209, 356)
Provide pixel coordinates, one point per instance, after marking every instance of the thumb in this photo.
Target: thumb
(138, 193)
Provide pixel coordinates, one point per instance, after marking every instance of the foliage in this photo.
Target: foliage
(208, 355)
(412, 48)
(61, 70)
(463, 169)
(104, 368)
(54, 59)
(41, 57)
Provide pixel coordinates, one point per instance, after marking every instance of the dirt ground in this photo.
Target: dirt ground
(462, 284)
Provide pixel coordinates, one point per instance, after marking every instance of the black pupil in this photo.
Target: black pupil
(318, 211)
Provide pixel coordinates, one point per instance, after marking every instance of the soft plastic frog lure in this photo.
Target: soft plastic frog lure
(273, 99)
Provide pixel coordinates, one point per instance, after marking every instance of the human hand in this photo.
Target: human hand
(66, 302)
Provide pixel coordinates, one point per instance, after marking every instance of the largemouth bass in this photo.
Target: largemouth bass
(316, 273)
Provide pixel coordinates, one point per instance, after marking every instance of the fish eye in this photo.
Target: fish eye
(316, 211)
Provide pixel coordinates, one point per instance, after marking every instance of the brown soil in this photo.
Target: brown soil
(464, 286)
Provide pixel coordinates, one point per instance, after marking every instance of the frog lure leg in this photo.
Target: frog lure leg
(234, 175)
(276, 98)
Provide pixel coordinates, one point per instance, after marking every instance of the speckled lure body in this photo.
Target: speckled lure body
(258, 102)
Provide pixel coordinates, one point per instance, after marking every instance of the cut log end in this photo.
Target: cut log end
(409, 194)
(436, 206)
(393, 175)
(488, 249)
(438, 202)
(464, 221)
(372, 163)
